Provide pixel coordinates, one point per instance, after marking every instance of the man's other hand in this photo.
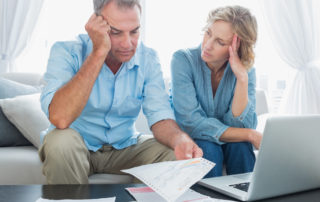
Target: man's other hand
(185, 148)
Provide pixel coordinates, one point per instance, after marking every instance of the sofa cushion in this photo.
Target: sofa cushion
(25, 113)
(22, 165)
(9, 134)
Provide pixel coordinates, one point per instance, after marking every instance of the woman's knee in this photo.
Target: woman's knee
(241, 148)
(212, 152)
(210, 149)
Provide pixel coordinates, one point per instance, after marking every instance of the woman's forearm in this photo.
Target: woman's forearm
(242, 135)
(240, 98)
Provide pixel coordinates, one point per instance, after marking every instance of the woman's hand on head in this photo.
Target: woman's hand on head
(237, 67)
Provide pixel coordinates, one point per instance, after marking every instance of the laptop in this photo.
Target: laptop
(288, 161)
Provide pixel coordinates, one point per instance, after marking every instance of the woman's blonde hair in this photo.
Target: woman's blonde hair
(244, 25)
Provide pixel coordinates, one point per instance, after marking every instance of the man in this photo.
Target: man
(94, 92)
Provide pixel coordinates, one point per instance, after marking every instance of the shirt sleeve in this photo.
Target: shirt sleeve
(60, 70)
(248, 118)
(188, 111)
(155, 105)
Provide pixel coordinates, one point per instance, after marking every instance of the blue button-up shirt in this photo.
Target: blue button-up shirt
(197, 112)
(116, 99)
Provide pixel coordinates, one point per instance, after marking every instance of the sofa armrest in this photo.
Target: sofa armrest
(261, 102)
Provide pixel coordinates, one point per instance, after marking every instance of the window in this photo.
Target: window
(167, 25)
(171, 25)
(59, 20)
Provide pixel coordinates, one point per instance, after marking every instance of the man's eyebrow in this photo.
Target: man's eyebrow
(135, 29)
(117, 30)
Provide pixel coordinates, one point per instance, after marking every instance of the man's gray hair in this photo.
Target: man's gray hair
(99, 4)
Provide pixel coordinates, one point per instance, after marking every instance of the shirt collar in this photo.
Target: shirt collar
(135, 60)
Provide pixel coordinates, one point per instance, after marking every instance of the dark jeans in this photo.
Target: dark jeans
(238, 157)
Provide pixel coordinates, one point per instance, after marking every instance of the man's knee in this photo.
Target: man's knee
(61, 144)
(65, 158)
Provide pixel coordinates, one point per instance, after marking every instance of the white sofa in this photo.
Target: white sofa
(21, 164)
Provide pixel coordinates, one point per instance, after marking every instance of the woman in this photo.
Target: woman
(213, 91)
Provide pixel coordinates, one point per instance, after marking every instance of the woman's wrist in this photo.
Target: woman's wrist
(242, 78)
(250, 135)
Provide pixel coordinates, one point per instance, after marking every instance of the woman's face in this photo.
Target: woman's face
(216, 42)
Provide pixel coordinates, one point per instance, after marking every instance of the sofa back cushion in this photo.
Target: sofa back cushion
(31, 79)
(10, 89)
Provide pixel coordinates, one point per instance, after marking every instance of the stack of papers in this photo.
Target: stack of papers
(171, 179)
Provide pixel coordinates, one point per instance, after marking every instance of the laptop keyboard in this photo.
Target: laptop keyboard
(242, 186)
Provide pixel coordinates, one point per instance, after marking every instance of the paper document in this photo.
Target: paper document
(171, 179)
(146, 194)
(112, 199)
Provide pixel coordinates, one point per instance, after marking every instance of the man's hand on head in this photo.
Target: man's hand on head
(98, 29)
(186, 148)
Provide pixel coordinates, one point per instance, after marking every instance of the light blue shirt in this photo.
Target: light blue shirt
(197, 112)
(115, 100)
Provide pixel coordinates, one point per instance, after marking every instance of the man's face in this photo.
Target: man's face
(125, 31)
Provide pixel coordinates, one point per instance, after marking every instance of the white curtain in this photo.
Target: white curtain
(294, 27)
(17, 21)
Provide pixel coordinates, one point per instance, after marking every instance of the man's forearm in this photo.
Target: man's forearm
(69, 101)
(167, 132)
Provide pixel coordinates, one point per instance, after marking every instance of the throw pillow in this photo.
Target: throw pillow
(9, 134)
(25, 113)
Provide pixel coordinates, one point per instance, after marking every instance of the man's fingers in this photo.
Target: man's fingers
(197, 153)
(105, 30)
(93, 16)
(188, 151)
(99, 18)
(188, 156)
(184, 151)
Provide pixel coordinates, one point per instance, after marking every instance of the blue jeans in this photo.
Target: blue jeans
(238, 157)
